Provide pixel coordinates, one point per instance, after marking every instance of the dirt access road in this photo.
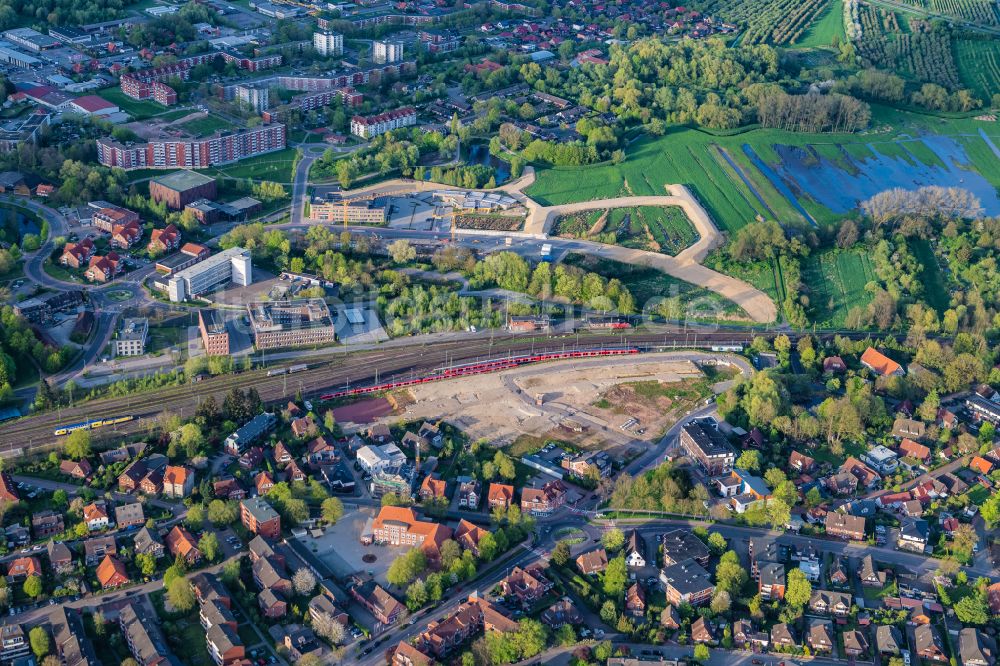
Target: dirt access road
(685, 266)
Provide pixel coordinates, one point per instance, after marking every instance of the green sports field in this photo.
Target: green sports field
(138, 109)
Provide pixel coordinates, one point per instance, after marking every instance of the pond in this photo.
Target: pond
(15, 224)
(479, 153)
(842, 184)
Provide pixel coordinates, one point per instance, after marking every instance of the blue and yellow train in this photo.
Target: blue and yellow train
(93, 423)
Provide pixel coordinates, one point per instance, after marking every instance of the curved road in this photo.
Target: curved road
(685, 266)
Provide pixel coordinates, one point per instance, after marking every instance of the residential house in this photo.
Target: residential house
(670, 618)
(228, 488)
(146, 542)
(838, 570)
(224, 645)
(834, 364)
(702, 631)
(500, 495)
(913, 534)
(260, 518)
(178, 481)
(433, 487)
(682, 544)
(143, 637)
(8, 491)
(60, 557)
(855, 643)
(635, 549)
(826, 602)
(468, 535)
(77, 255)
(406, 654)
(635, 601)
(181, 543)
(686, 582)
(14, 646)
(415, 442)
(801, 463)
(320, 452)
(95, 515)
(22, 567)
(927, 643)
(904, 428)
(468, 492)
(867, 477)
(442, 637)
(78, 469)
(888, 640)
(910, 449)
(912, 508)
(976, 648)
(269, 573)
(102, 269)
(94, 550)
(129, 515)
(543, 501)
(47, 523)
(771, 581)
(271, 605)
(264, 482)
(252, 458)
(842, 483)
(304, 426)
(322, 607)
(379, 603)
(708, 447)
(209, 588)
(560, 613)
(881, 364)
(295, 473)
(164, 240)
(431, 433)
(981, 465)
(111, 573)
(282, 456)
(527, 585)
(782, 636)
(259, 548)
(870, 576)
(820, 637)
(592, 562)
(845, 526)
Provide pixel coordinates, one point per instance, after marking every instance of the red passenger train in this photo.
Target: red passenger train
(478, 369)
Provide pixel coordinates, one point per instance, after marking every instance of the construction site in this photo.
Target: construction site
(441, 211)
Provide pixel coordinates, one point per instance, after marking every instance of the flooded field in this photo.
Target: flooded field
(838, 177)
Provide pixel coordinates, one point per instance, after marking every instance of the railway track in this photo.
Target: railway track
(330, 375)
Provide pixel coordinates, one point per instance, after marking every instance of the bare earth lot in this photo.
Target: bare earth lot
(501, 407)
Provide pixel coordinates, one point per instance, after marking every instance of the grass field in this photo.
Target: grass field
(276, 166)
(205, 125)
(829, 25)
(734, 191)
(930, 276)
(138, 109)
(836, 282)
(979, 65)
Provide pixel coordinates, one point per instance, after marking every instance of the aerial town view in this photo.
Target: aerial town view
(487, 332)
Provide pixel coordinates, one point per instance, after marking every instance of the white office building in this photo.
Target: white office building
(232, 265)
(375, 459)
(328, 43)
(386, 51)
(131, 338)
